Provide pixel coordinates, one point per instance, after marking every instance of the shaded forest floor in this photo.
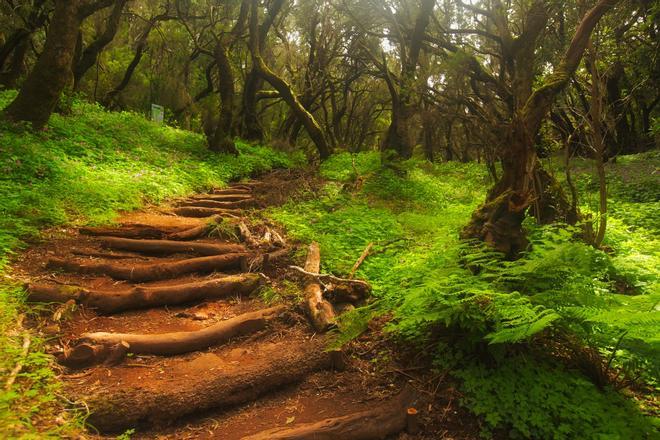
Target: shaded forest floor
(480, 346)
(374, 371)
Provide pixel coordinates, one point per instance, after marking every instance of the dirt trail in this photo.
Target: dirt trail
(271, 375)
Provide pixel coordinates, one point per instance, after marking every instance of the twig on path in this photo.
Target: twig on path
(321, 276)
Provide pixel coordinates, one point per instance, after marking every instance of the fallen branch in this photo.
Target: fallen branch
(166, 344)
(143, 297)
(327, 277)
(320, 311)
(152, 271)
(21, 361)
(377, 423)
(246, 235)
(164, 247)
(360, 260)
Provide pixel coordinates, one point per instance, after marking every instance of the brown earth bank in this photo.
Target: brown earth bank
(199, 353)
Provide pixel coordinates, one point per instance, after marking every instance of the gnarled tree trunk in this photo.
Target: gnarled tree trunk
(498, 221)
(286, 92)
(42, 88)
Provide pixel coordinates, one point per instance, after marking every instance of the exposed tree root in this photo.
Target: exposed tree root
(129, 231)
(165, 344)
(377, 423)
(210, 203)
(152, 271)
(272, 367)
(201, 230)
(222, 197)
(143, 297)
(320, 311)
(109, 255)
(203, 212)
(163, 247)
(247, 186)
(233, 190)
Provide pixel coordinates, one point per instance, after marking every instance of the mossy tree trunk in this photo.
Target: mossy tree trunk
(399, 141)
(250, 127)
(524, 183)
(221, 139)
(284, 89)
(42, 88)
(90, 54)
(53, 71)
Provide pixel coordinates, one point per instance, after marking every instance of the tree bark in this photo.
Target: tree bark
(211, 202)
(200, 212)
(286, 92)
(42, 88)
(165, 247)
(90, 54)
(152, 271)
(377, 423)
(166, 344)
(17, 64)
(139, 297)
(270, 367)
(221, 140)
(498, 221)
(140, 48)
(399, 140)
(320, 311)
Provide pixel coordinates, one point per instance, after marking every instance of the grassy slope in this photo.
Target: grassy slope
(424, 282)
(81, 170)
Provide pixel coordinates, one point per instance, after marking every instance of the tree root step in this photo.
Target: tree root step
(164, 247)
(153, 271)
(143, 297)
(197, 212)
(377, 423)
(234, 190)
(210, 203)
(231, 197)
(94, 348)
(213, 382)
(131, 231)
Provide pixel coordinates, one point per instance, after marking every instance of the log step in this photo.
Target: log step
(233, 191)
(152, 271)
(222, 197)
(377, 423)
(211, 203)
(197, 212)
(165, 247)
(208, 381)
(129, 231)
(144, 297)
(94, 348)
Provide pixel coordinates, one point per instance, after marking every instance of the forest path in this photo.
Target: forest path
(190, 347)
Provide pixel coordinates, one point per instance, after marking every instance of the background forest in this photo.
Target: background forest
(501, 156)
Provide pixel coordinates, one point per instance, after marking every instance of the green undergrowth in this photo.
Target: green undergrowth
(575, 314)
(82, 169)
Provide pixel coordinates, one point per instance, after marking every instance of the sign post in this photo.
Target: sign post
(157, 113)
